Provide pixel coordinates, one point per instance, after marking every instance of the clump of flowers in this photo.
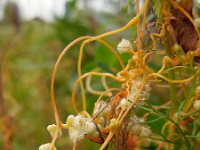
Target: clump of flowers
(135, 87)
(126, 116)
(79, 127)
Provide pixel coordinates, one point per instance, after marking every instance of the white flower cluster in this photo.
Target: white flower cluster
(136, 85)
(124, 46)
(136, 127)
(79, 126)
(47, 146)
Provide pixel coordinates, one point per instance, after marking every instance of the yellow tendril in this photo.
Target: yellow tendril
(128, 25)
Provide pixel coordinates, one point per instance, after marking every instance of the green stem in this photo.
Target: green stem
(171, 73)
(187, 144)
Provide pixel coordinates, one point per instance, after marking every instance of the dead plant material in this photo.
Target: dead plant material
(184, 30)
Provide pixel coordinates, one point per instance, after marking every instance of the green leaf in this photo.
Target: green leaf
(157, 7)
(196, 126)
(104, 56)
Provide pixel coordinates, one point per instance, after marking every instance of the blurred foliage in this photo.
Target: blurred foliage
(29, 53)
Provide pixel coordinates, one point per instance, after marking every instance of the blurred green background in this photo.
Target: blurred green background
(28, 51)
(29, 48)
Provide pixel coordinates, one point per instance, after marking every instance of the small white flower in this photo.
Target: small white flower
(135, 88)
(47, 146)
(90, 127)
(135, 127)
(196, 104)
(124, 46)
(76, 131)
(137, 120)
(146, 131)
(52, 130)
(124, 103)
(79, 126)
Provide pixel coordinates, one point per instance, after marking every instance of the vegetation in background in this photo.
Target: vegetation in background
(144, 104)
(28, 53)
(148, 85)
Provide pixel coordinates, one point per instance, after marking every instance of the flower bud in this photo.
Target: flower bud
(124, 46)
(47, 146)
(196, 104)
(52, 130)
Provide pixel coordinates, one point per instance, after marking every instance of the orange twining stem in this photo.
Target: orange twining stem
(54, 74)
(59, 60)
(128, 25)
(85, 76)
